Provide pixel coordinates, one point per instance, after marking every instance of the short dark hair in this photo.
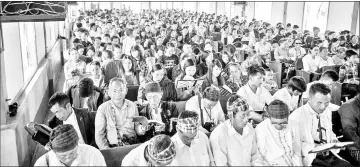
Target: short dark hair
(350, 53)
(319, 88)
(188, 114)
(331, 74)
(110, 54)
(297, 83)
(86, 87)
(59, 98)
(295, 26)
(79, 25)
(254, 69)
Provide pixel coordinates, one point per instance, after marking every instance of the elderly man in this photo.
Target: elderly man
(290, 94)
(82, 119)
(114, 124)
(192, 146)
(65, 150)
(350, 118)
(158, 110)
(314, 120)
(85, 95)
(233, 142)
(278, 139)
(208, 107)
(159, 151)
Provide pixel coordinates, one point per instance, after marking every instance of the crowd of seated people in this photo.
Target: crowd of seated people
(220, 70)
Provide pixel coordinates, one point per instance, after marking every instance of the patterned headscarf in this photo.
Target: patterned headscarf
(240, 103)
(188, 125)
(161, 157)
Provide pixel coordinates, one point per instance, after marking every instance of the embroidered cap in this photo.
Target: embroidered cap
(188, 125)
(278, 109)
(164, 156)
(240, 103)
(63, 138)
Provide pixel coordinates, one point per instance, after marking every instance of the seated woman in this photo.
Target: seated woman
(281, 53)
(297, 52)
(263, 47)
(157, 75)
(269, 82)
(225, 58)
(138, 58)
(206, 59)
(235, 79)
(177, 70)
(339, 58)
(158, 110)
(130, 73)
(150, 60)
(187, 73)
(74, 63)
(214, 77)
(95, 71)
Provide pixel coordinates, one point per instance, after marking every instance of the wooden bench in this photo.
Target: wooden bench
(304, 74)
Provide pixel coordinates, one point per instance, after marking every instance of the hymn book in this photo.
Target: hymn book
(329, 146)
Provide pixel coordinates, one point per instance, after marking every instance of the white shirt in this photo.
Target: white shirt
(284, 95)
(136, 156)
(305, 95)
(280, 148)
(127, 44)
(216, 113)
(255, 100)
(87, 156)
(295, 53)
(310, 64)
(72, 120)
(328, 62)
(198, 154)
(233, 149)
(306, 119)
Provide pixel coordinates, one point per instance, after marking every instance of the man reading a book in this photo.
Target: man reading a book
(158, 110)
(315, 124)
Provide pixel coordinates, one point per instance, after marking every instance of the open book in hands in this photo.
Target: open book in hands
(329, 146)
(189, 84)
(39, 132)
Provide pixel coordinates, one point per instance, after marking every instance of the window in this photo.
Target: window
(263, 11)
(315, 14)
(134, 6)
(155, 5)
(190, 6)
(28, 49)
(357, 25)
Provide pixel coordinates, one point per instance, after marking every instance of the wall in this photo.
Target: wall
(250, 11)
(33, 107)
(277, 12)
(220, 10)
(340, 16)
(295, 13)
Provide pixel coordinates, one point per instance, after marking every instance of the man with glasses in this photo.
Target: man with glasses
(208, 108)
(113, 122)
(314, 120)
(65, 150)
(233, 142)
(192, 146)
(277, 139)
(158, 110)
(159, 151)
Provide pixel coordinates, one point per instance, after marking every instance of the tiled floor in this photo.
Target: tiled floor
(39, 150)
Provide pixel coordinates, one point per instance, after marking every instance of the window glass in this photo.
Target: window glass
(315, 14)
(28, 49)
(263, 11)
(357, 25)
(155, 5)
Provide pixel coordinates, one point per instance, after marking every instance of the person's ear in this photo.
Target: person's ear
(68, 106)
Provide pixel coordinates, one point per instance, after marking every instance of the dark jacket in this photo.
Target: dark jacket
(95, 99)
(168, 111)
(86, 121)
(350, 120)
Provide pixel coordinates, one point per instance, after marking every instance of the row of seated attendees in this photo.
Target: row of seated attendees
(196, 89)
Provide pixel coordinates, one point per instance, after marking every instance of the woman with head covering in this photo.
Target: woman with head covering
(65, 150)
(277, 139)
(159, 151)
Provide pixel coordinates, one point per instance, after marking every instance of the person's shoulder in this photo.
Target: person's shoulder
(219, 131)
(41, 161)
(103, 106)
(130, 103)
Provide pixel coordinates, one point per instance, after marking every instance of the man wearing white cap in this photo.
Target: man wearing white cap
(233, 142)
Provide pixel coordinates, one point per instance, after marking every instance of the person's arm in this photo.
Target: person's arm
(296, 142)
(100, 129)
(219, 149)
(256, 158)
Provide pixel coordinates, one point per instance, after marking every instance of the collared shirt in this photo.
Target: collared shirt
(296, 53)
(136, 156)
(256, 100)
(87, 156)
(279, 147)
(306, 95)
(308, 120)
(284, 95)
(311, 64)
(233, 149)
(327, 62)
(198, 154)
(111, 123)
(216, 113)
(72, 120)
